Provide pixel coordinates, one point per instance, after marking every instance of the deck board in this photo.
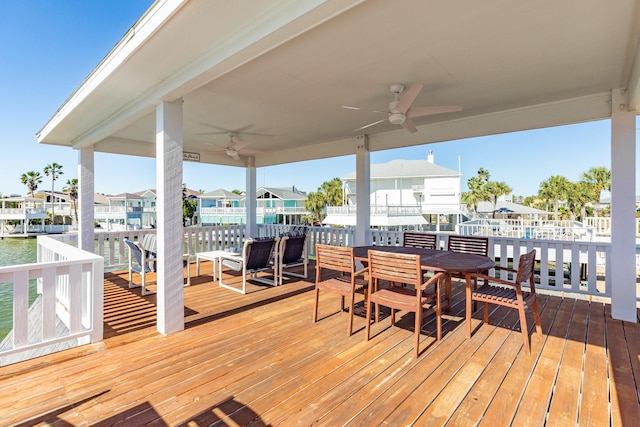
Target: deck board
(258, 359)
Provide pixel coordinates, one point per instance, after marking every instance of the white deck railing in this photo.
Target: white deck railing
(69, 285)
(582, 266)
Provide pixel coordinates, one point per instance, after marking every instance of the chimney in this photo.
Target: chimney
(430, 156)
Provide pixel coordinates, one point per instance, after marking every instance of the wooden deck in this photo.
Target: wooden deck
(258, 359)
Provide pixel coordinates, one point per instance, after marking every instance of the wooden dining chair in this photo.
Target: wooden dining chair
(468, 245)
(404, 269)
(419, 240)
(336, 273)
(510, 294)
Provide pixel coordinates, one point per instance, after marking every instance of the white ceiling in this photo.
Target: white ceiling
(280, 71)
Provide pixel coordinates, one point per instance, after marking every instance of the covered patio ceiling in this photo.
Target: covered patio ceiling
(278, 73)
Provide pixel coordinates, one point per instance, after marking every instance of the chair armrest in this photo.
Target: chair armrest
(511, 270)
(494, 279)
(436, 277)
(362, 272)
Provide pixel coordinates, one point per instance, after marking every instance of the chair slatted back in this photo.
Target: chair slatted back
(419, 240)
(526, 267)
(260, 253)
(337, 258)
(293, 248)
(469, 244)
(394, 267)
(137, 255)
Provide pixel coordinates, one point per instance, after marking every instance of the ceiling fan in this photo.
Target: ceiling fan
(235, 149)
(401, 111)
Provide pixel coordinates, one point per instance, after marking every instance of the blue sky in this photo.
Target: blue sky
(48, 47)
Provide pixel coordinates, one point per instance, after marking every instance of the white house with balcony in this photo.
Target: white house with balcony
(16, 214)
(405, 194)
(273, 206)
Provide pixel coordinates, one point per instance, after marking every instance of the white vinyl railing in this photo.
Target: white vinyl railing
(69, 285)
(581, 265)
(565, 266)
(602, 225)
(527, 229)
(384, 211)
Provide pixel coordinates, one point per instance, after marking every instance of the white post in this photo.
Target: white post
(251, 226)
(363, 190)
(86, 177)
(169, 147)
(623, 191)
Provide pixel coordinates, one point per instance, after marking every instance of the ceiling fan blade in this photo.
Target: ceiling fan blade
(426, 111)
(234, 155)
(408, 98)
(348, 107)
(240, 145)
(408, 125)
(370, 124)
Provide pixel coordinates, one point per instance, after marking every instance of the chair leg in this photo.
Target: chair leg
(536, 315)
(486, 312)
(438, 310)
(469, 304)
(393, 316)
(524, 330)
(351, 314)
(315, 306)
(368, 318)
(417, 333)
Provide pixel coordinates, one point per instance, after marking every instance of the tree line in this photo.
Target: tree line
(32, 179)
(581, 198)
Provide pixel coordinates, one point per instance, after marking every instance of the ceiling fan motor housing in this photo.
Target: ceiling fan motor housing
(397, 118)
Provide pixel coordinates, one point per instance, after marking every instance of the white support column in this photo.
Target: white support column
(251, 227)
(86, 210)
(363, 191)
(623, 197)
(169, 147)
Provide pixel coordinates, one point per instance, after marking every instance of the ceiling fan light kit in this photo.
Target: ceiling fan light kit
(400, 110)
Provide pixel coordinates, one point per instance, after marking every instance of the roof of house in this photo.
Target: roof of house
(190, 193)
(400, 168)
(288, 193)
(220, 193)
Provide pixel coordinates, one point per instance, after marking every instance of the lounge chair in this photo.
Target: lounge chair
(256, 257)
(292, 252)
(140, 263)
(146, 249)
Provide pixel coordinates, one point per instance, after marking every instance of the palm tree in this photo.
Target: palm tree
(332, 191)
(314, 203)
(555, 188)
(600, 179)
(477, 191)
(495, 189)
(31, 179)
(578, 195)
(72, 190)
(470, 200)
(54, 170)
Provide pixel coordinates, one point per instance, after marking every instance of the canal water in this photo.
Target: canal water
(15, 250)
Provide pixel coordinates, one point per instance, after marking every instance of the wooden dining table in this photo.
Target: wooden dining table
(438, 260)
(434, 259)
